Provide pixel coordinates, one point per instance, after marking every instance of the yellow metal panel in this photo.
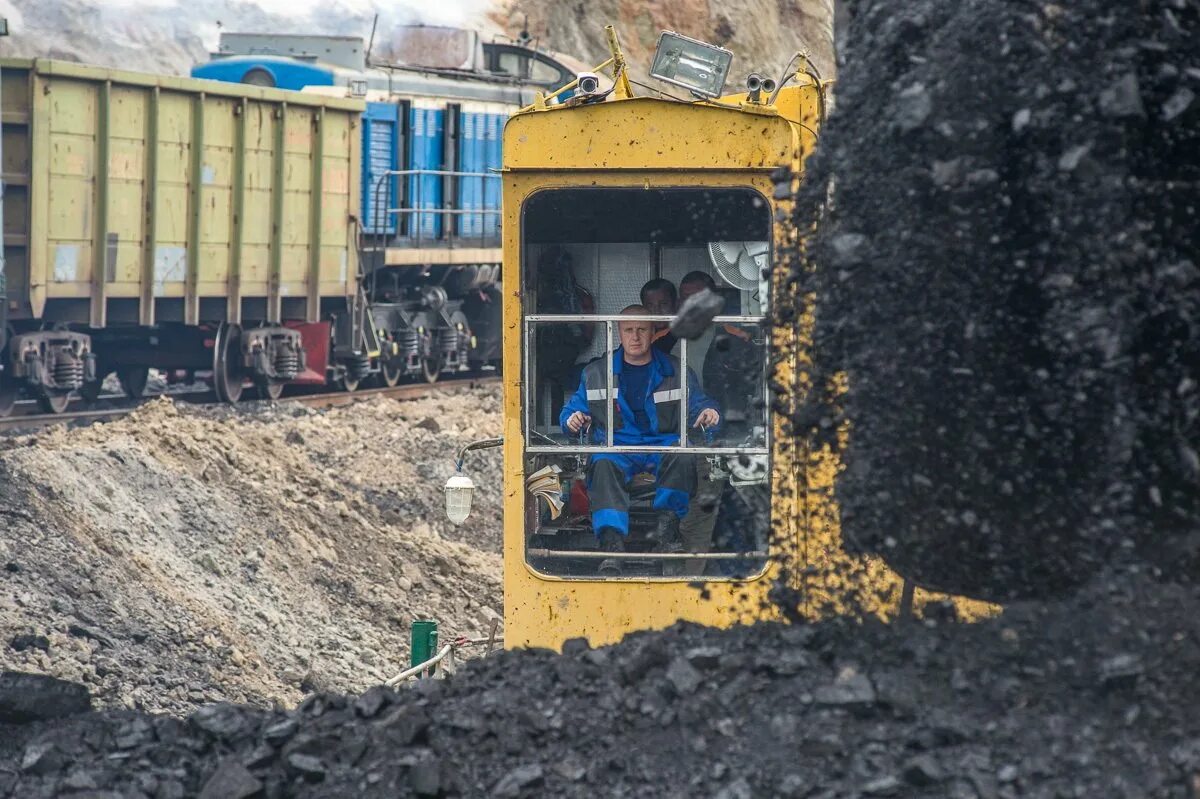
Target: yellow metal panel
(70, 209)
(299, 131)
(73, 107)
(216, 196)
(146, 311)
(127, 187)
(338, 202)
(673, 147)
(171, 196)
(298, 145)
(294, 271)
(354, 139)
(646, 132)
(39, 206)
(545, 611)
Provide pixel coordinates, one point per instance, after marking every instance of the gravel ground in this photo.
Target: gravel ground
(185, 555)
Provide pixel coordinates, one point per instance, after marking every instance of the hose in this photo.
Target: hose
(420, 667)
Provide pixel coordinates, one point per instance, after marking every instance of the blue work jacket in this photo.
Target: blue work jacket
(661, 405)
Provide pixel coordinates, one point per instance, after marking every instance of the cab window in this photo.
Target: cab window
(513, 63)
(544, 72)
(647, 455)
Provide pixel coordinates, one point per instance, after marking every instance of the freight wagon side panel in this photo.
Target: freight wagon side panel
(297, 194)
(137, 199)
(339, 197)
(69, 132)
(127, 172)
(171, 142)
(257, 231)
(17, 167)
(214, 190)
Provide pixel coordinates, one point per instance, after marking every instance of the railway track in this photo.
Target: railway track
(32, 421)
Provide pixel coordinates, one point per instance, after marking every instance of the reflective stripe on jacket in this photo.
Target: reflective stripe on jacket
(661, 404)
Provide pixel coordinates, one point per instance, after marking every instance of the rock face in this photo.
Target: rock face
(172, 36)
(1041, 702)
(1008, 273)
(763, 35)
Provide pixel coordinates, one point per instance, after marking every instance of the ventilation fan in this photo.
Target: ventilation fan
(740, 263)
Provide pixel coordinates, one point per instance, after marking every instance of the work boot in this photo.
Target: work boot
(611, 541)
(667, 540)
(666, 533)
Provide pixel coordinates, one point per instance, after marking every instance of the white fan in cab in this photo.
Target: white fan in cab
(743, 265)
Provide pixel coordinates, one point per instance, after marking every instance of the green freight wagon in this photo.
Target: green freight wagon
(191, 226)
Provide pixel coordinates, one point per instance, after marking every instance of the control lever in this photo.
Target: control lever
(716, 471)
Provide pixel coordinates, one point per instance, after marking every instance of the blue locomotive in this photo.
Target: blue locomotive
(437, 99)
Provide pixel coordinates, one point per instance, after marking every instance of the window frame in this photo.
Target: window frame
(528, 328)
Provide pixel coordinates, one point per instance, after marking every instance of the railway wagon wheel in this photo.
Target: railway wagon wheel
(391, 372)
(133, 380)
(8, 397)
(9, 391)
(54, 401)
(269, 389)
(228, 376)
(90, 392)
(431, 367)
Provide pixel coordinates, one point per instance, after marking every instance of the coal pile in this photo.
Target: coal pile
(1008, 272)
(1089, 698)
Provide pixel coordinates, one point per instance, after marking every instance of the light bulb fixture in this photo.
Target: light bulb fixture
(459, 493)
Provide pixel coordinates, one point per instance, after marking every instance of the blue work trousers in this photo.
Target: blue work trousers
(608, 485)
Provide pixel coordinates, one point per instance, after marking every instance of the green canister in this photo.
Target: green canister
(424, 643)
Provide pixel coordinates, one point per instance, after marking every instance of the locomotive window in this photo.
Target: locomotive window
(513, 63)
(671, 479)
(544, 72)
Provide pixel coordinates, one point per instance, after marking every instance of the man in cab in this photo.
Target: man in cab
(647, 394)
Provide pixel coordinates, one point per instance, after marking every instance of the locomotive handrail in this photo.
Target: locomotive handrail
(443, 172)
(377, 194)
(593, 554)
(414, 210)
(586, 450)
(641, 317)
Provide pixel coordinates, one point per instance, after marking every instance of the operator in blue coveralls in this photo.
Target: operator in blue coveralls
(647, 396)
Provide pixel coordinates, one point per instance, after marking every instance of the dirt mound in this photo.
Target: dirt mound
(1088, 698)
(1007, 271)
(185, 555)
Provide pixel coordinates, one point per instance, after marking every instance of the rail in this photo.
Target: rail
(28, 422)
